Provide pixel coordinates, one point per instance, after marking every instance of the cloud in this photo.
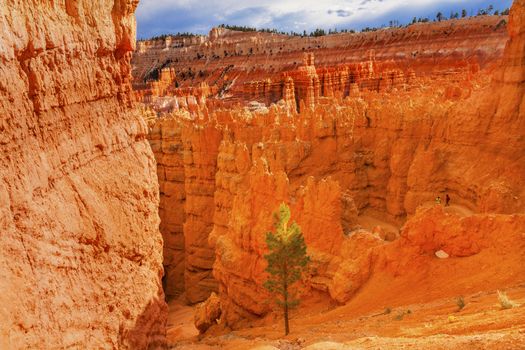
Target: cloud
(259, 17)
(171, 16)
(340, 13)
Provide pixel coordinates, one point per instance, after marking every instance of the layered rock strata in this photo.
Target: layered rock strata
(201, 146)
(242, 67)
(81, 252)
(334, 164)
(186, 166)
(166, 143)
(353, 161)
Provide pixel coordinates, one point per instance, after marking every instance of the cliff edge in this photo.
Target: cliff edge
(81, 252)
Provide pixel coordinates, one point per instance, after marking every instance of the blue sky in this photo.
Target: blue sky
(156, 17)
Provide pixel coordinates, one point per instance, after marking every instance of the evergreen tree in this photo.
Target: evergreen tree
(463, 13)
(318, 32)
(287, 260)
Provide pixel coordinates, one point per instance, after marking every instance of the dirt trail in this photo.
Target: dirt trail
(180, 322)
(416, 309)
(369, 222)
(457, 209)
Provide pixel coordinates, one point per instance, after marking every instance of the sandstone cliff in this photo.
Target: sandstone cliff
(242, 67)
(336, 165)
(81, 253)
(359, 151)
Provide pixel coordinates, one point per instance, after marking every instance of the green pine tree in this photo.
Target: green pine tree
(287, 260)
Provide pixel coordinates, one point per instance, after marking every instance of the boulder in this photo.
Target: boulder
(207, 313)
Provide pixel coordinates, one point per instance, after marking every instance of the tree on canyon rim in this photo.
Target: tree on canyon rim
(287, 259)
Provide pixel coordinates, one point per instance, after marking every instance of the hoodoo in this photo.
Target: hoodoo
(140, 185)
(255, 66)
(358, 134)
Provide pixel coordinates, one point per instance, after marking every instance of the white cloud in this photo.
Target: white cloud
(281, 14)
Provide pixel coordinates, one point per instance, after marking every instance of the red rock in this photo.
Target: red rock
(377, 135)
(207, 313)
(355, 265)
(201, 147)
(481, 237)
(246, 66)
(81, 260)
(166, 142)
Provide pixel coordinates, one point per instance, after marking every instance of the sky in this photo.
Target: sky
(155, 17)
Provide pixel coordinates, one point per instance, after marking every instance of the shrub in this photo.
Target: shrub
(505, 302)
(460, 302)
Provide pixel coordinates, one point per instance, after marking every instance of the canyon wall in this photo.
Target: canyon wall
(350, 169)
(253, 66)
(81, 252)
(401, 64)
(167, 145)
(359, 141)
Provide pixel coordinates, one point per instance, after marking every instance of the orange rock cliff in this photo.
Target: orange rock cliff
(358, 133)
(108, 207)
(81, 260)
(239, 66)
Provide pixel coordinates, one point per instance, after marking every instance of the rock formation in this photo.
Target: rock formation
(242, 67)
(207, 313)
(201, 146)
(81, 260)
(357, 147)
(166, 143)
(371, 156)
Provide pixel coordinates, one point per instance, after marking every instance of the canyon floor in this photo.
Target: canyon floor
(131, 178)
(370, 321)
(481, 324)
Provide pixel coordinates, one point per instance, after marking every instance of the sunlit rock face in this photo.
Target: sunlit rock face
(81, 252)
(251, 66)
(359, 141)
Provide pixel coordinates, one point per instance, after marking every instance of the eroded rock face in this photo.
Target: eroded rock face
(201, 147)
(207, 313)
(484, 252)
(166, 143)
(252, 66)
(81, 253)
(332, 163)
(186, 165)
(340, 147)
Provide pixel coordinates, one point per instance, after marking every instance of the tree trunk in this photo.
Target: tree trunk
(286, 324)
(285, 285)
